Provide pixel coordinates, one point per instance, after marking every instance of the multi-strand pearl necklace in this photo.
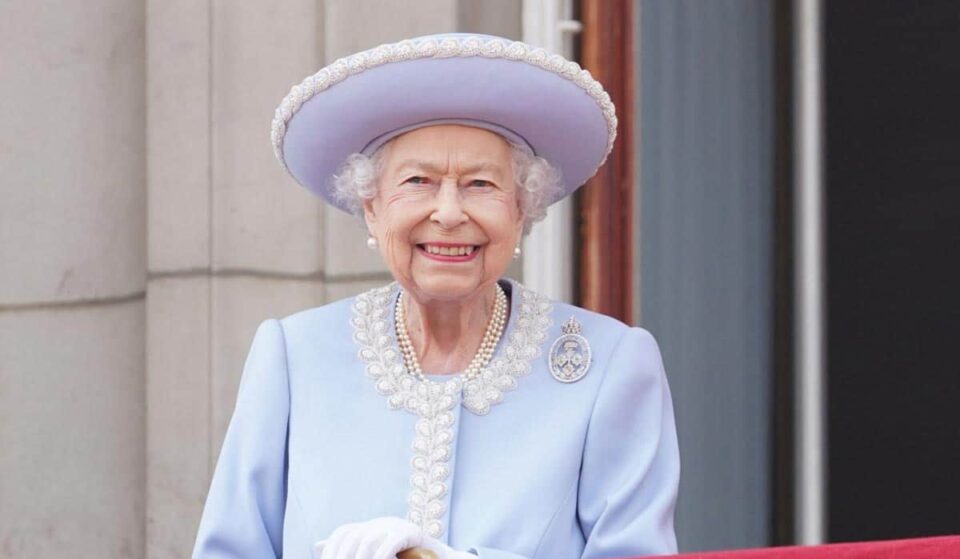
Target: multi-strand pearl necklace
(498, 318)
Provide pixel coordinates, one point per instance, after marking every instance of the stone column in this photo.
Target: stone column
(232, 239)
(178, 298)
(72, 260)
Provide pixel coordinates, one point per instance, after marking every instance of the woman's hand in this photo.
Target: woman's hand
(380, 538)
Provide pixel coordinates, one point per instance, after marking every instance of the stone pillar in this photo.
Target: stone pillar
(72, 260)
(232, 240)
(178, 299)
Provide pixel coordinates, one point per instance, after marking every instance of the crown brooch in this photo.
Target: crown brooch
(570, 353)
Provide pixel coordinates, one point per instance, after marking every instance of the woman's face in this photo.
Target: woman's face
(447, 214)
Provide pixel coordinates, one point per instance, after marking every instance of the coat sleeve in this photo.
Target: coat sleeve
(631, 465)
(243, 516)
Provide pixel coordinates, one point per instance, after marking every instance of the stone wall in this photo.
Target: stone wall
(72, 279)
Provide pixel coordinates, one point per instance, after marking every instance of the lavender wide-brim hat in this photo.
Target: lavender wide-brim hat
(542, 102)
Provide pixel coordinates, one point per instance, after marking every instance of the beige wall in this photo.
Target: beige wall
(231, 241)
(145, 231)
(72, 279)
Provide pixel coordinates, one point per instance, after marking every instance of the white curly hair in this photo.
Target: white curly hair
(538, 182)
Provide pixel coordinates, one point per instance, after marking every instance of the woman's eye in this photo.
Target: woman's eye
(417, 180)
(480, 183)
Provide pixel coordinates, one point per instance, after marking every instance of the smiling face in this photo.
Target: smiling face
(447, 214)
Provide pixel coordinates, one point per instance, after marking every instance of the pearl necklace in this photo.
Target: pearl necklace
(491, 337)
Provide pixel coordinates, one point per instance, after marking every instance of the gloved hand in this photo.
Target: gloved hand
(381, 538)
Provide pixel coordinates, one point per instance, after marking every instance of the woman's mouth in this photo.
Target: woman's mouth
(448, 252)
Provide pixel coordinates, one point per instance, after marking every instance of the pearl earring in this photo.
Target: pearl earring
(372, 242)
(517, 252)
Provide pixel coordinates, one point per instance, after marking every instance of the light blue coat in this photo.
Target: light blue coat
(329, 429)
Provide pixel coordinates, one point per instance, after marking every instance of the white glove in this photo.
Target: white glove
(381, 538)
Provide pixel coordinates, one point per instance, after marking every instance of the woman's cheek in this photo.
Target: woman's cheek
(397, 253)
(509, 204)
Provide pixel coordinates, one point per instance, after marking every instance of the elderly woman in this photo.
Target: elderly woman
(452, 410)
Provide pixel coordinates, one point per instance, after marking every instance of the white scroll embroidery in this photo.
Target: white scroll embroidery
(433, 402)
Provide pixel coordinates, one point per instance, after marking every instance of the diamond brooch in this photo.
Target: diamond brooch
(570, 353)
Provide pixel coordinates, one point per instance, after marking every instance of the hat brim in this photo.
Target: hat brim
(555, 116)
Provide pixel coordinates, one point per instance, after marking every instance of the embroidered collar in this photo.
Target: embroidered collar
(374, 335)
(433, 401)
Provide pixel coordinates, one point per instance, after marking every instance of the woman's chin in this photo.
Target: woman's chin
(445, 286)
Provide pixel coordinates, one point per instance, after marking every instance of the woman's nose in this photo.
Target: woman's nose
(448, 212)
